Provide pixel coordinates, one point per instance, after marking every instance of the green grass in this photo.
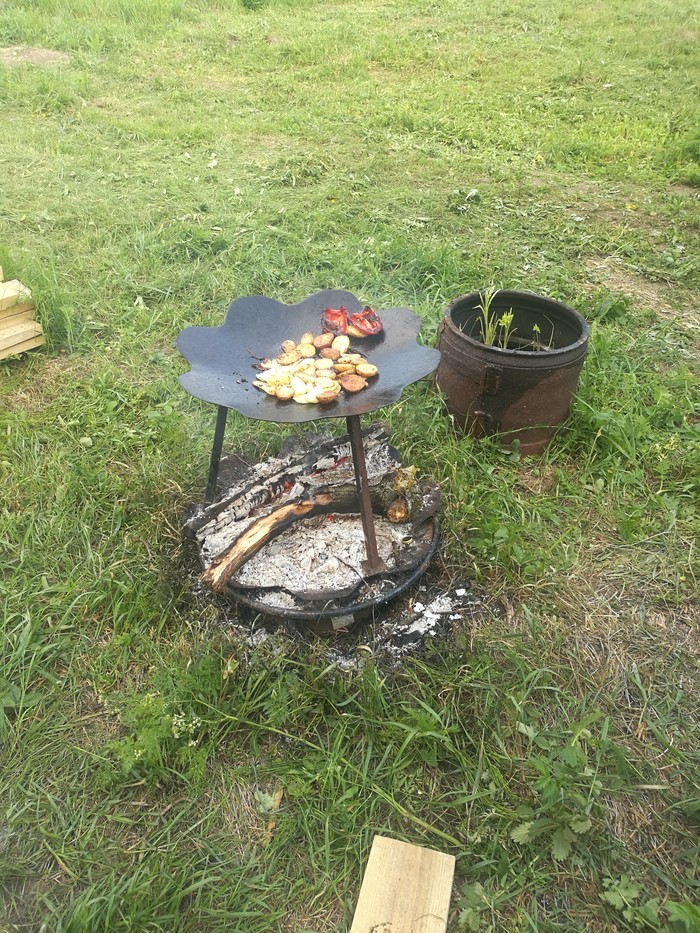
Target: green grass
(191, 152)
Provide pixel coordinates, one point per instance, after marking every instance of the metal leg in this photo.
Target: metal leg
(215, 460)
(373, 564)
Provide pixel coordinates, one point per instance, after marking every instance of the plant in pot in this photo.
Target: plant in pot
(510, 363)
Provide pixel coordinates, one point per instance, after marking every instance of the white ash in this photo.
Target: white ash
(322, 554)
(276, 599)
(398, 630)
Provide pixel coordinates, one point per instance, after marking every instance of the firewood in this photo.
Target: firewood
(268, 479)
(260, 532)
(422, 502)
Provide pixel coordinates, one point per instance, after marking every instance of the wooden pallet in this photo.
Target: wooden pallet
(19, 329)
(406, 889)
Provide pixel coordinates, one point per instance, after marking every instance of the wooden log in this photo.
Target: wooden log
(268, 480)
(260, 532)
(419, 504)
(405, 889)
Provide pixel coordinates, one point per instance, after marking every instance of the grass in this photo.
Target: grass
(409, 151)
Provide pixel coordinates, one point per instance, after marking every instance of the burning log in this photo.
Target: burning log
(220, 570)
(268, 480)
(275, 495)
(327, 499)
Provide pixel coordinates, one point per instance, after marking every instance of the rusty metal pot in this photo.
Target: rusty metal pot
(522, 391)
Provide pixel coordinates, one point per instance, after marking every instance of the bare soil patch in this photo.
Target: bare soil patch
(611, 272)
(25, 55)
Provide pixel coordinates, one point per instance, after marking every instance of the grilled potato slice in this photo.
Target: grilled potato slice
(352, 383)
(267, 389)
(325, 383)
(366, 370)
(327, 395)
(286, 359)
(323, 341)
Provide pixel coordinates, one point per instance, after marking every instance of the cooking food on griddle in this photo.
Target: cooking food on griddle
(365, 323)
(314, 370)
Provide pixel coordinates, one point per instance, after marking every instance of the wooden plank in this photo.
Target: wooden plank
(10, 317)
(11, 293)
(25, 330)
(21, 347)
(406, 889)
(12, 310)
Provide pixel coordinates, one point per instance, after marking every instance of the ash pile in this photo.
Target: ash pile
(285, 538)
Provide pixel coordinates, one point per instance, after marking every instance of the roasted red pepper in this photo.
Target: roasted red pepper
(364, 324)
(335, 320)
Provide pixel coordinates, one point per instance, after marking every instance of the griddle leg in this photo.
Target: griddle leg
(373, 564)
(215, 460)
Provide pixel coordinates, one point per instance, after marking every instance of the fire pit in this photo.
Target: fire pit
(311, 487)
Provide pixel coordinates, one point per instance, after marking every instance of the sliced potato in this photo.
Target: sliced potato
(309, 399)
(328, 395)
(352, 383)
(326, 383)
(298, 374)
(286, 359)
(305, 365)
(354, 332)
(267, 389)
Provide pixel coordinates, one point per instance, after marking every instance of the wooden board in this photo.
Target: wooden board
(11, 293)
(406, 889)
(25, 308)
(21, 347)
(24, 330)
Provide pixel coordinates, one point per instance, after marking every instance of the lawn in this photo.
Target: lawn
(185, 152)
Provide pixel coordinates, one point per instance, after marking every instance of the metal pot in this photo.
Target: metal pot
(522, 391)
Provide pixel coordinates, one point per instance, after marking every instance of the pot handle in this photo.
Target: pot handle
(491, 380)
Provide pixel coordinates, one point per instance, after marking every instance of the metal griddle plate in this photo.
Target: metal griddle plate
(222, 358)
